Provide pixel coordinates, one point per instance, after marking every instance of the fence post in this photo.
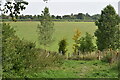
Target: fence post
(48, 53)
(61, 52)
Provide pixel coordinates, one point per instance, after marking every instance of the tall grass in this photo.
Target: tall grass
(109, 56)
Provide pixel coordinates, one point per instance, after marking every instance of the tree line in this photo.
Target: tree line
(73, 17)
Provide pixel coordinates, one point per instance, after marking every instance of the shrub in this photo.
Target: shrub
(49, 60)
(16, 56)
(107, 58)
(20, 57)
(62, 46)
(110, 56)
(86, 44)
(76, 40)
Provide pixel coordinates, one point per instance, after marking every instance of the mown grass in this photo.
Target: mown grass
(79, 69)
(28, 31)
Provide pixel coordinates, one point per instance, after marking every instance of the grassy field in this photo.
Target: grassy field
(79, 69)
(28, 31)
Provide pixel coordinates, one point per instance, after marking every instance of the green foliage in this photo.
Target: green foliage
(62, 46)
(118, 36)
(15, 52)
(86, 43)
(20, 57)
(47, 59)
(110, 56)
(119, 68)
(108, 30)
(45, 29)
(70, 18)
(107, 58)
(7, 31)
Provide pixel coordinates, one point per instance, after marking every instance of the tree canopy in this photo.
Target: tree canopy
(108, 29)
(45, 28)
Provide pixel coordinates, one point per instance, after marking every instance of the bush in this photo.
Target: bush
(16, 56)
(110, 56)
(20, 57)
(107, 58)
(48, 59)
(76, 40)
(62, 46)
(86, 44)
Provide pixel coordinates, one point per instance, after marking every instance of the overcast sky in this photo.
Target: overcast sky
(65, 7)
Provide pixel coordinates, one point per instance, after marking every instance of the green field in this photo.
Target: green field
(79, 69)
(28, 31)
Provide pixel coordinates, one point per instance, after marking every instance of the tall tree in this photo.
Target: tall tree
(107, 29)
(45, 29)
